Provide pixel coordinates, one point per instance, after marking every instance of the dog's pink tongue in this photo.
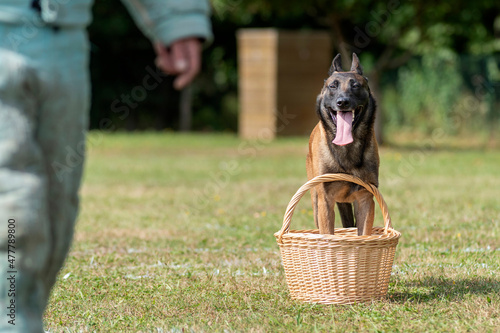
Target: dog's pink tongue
(344, 128)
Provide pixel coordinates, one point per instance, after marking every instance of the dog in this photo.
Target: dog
(344, 141)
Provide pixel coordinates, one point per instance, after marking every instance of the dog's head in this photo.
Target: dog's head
(344, 99)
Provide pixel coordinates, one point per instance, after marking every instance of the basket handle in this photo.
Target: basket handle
(329, 177)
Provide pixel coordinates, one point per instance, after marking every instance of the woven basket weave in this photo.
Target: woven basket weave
(343, 268)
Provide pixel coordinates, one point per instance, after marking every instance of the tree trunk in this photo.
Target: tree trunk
(185, 109)
(340, 46)
(374, 82)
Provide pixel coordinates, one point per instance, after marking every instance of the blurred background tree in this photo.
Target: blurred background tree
(429, 65)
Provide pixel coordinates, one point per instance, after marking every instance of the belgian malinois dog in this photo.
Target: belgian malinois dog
(344, 142)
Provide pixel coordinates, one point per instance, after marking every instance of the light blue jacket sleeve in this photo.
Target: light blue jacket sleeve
(166, 21)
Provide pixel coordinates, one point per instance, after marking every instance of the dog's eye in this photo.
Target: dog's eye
(334, 84)
(356, 86)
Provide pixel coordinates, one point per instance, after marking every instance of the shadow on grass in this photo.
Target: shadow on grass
(434, 288)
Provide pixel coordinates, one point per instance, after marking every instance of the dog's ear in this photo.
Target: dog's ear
(336, 65)
(355, 66)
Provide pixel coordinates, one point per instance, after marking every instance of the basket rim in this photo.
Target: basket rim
(342, 235)
(329, 177)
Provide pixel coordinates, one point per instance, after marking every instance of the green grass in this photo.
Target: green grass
(176, 233)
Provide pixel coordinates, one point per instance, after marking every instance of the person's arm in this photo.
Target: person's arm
(177, 29)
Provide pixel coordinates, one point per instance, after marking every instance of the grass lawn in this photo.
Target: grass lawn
(176, 235)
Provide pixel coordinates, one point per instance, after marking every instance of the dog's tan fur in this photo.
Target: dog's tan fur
(359, 158)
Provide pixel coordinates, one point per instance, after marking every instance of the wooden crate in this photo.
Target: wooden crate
(280, 75)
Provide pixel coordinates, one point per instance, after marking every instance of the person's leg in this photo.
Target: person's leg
(23, 199)
(62, 128)
(44, 101)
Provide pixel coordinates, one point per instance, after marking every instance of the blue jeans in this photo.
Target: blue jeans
(44, 102)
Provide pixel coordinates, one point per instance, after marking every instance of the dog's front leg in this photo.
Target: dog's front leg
(364, 210)
(324, 214)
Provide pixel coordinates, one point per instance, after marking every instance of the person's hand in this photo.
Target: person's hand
(182, 58)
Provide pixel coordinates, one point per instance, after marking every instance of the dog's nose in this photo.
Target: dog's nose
(343, 102)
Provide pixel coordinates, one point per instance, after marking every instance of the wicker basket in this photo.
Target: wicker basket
(343, 268)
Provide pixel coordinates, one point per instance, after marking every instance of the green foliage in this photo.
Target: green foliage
(428, 91)
(386, 33)
(435, 92)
